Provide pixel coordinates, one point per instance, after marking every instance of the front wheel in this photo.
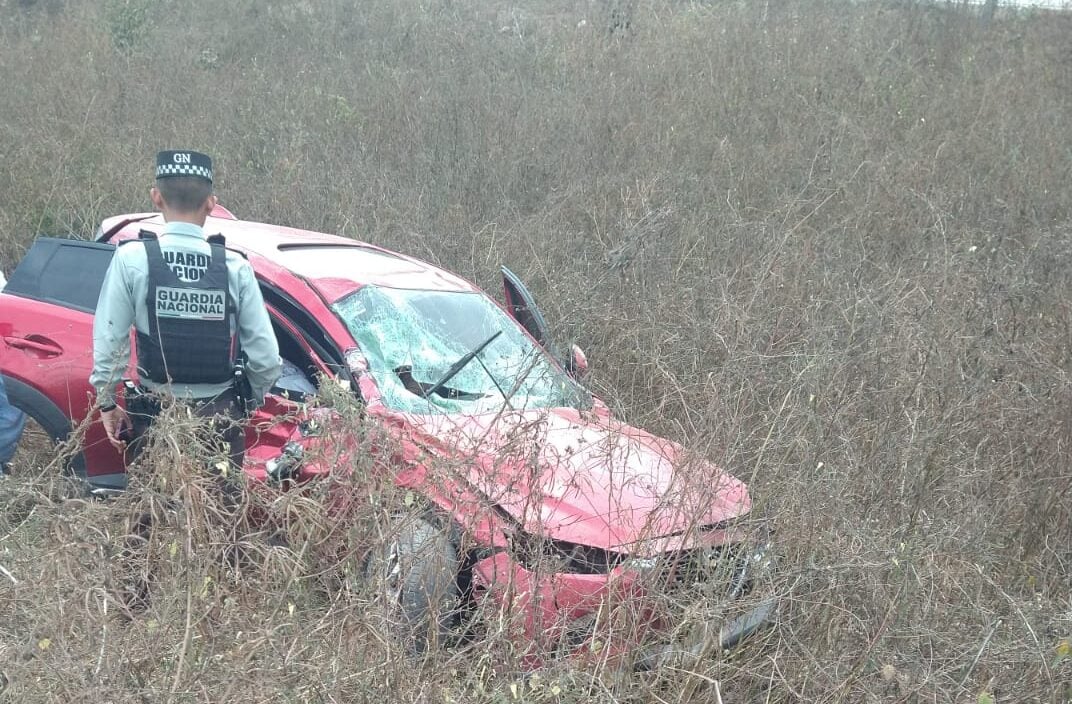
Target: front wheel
(413, 574)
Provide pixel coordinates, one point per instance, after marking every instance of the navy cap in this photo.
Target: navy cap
(183, 163)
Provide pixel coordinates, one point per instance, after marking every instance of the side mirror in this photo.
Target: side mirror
(577, 365)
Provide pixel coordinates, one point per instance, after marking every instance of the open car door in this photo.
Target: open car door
(46, 329)
(273, 425)
(522, 306)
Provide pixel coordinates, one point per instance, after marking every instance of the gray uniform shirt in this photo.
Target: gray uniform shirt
(122, 303)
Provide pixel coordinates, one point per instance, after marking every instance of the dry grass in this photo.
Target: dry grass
(824, 244)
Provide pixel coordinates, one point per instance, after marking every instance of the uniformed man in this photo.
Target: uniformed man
(196, 309)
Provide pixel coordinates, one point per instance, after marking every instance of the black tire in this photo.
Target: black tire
(46, 414)
(414, 581)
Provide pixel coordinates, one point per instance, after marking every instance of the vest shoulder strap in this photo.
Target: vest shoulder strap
(143, 235)
(218, 260)
(219, 239)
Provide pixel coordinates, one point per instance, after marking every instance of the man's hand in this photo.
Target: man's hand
(116, 423)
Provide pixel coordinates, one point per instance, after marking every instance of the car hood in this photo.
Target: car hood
(583, 478)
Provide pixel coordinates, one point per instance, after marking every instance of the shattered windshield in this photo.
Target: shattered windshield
(411, 339)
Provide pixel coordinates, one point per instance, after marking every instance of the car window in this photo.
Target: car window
(66, 272)
(314, 333)
(298, 376)
(411, 339)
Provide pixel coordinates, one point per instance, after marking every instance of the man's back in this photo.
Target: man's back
(195, 306)
(124, 297)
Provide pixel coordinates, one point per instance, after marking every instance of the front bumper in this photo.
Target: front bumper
(612, 615)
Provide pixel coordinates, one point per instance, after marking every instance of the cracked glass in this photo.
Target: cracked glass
(411, 338)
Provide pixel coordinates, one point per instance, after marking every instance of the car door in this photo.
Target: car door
(46, 326)
(306, 347)
(522, 306)
(275, 423)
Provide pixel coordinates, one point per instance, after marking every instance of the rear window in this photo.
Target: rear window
(66, 272)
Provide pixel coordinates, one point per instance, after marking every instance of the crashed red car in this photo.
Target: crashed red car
(564, 508)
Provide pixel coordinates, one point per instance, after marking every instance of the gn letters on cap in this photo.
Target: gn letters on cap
(183, 163)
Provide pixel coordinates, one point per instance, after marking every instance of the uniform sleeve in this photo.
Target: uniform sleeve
(256, 336)
(111, 330)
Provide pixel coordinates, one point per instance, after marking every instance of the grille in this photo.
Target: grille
(537, 553)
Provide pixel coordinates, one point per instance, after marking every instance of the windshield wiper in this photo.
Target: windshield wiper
(460, 364)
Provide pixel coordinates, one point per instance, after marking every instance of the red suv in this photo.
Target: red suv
(573, 508)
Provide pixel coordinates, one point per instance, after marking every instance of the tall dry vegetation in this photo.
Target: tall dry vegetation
(824, 243)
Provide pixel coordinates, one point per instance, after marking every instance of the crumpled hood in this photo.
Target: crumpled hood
(584, 479)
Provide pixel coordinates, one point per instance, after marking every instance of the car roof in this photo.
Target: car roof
(336, 266)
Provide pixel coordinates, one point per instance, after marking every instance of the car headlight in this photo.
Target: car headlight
(757, 565)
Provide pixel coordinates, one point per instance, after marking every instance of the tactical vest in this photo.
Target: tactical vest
(189, 339)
